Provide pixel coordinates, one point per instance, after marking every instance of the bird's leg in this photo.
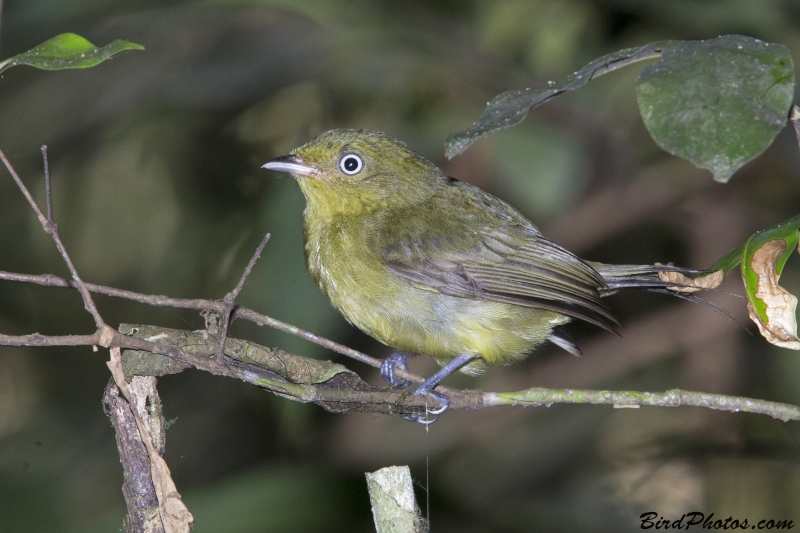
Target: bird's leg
(397, 359)
(426, 388)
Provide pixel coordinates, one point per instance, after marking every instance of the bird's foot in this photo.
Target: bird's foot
(394, 361)
(426, 388)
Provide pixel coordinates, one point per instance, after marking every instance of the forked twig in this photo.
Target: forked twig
(229, 302)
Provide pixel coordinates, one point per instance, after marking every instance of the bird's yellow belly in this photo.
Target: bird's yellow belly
(425, 322)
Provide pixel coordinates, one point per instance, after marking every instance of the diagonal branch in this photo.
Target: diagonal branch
(51, 229)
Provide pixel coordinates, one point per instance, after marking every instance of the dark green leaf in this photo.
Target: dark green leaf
(717, 103)
(67, 51)
(511, 107)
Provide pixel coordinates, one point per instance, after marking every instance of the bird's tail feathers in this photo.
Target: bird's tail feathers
(645, 276)
(664, 279)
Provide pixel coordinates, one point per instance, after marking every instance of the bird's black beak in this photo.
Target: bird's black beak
(291, 164)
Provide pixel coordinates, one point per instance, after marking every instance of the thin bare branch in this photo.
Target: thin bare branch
(470, 401)
(230, 299)
(215, 306)
(37, 339)
(621, 399)
(51, 228)
(235, 292)
(23, 188)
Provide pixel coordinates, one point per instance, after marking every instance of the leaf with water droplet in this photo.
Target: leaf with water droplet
(68, 51)
(717, 103)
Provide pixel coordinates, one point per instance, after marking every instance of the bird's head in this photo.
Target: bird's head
(345, 170)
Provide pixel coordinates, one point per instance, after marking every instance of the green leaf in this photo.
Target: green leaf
(511, 107)
(717, 103)
(67, 51)
(789, 233)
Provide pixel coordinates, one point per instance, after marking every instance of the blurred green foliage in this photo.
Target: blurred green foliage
(155, 159)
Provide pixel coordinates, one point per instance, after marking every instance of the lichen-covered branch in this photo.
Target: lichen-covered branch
(138, 488)
(145, 406)
(621, 399)
(394, 506)
(337, 389)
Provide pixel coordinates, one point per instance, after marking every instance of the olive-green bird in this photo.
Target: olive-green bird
(430, 265)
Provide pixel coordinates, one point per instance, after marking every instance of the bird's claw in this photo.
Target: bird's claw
(444, 403)
(419, 420)
(396, 360)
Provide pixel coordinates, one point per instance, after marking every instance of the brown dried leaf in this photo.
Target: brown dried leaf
(175, 516)
(689, 285)
(781, 328)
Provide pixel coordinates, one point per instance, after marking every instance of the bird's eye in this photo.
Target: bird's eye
(351, 164)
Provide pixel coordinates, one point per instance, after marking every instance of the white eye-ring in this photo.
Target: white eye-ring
(351, 164)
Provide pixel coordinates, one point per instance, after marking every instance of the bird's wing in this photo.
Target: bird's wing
(505, 263)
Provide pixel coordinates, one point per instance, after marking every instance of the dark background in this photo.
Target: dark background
(156, 158)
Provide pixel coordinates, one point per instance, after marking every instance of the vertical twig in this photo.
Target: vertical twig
(47, 182)
(230, 299)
